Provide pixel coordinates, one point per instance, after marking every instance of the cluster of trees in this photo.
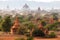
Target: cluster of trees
(5, 24)
(27, 26)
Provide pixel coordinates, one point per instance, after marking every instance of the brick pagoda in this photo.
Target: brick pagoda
(15, 26)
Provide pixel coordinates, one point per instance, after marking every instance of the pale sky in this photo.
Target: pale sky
(34, 0)
(32, 3)
(42, 0)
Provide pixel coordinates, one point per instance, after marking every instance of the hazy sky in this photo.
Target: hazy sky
(32, 3)
(33, 0)
(43, 0)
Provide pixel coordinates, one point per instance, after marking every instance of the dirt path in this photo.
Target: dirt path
(9, 37)
(46, 38)
(14, 37)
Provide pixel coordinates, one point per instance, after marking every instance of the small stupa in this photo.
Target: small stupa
(40, 26)
(15, 26)
(51, 21)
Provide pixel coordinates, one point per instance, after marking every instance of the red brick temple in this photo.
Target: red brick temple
(15, 26)
(51, 21)
(40, 26)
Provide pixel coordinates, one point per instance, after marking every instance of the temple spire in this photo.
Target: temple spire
(40, 25)
(15, 26)
(39, 9)
(7, 7)
(26, 6)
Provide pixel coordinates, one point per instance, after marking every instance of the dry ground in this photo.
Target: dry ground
(12, 37)
(46, 38)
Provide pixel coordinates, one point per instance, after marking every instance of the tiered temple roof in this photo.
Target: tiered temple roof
(15, 26)
(16, 23)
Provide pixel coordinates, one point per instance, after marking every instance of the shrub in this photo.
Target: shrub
(20, 39)
(21, 30)
(30, 38)
(27, 34)
(38, 33)
(52, 35)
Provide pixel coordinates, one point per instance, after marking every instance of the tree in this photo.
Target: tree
(38, 33)
(43, 23)
(30, 25)
(30, 38)
(21, 18)
(52, 35)
(6, 24)
(55, 16)
(30, 17)
(21, 31)
(0, 17)
(52, 26)
(0, 22)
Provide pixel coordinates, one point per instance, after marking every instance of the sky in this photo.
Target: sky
(33, 0)
(43, 0)
(18, 4)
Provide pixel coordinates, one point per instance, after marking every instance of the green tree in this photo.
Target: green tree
(30, 38)
(29, 17)
(30, 25)
(52, 35)
(21, 31)
(38, 33)
(0, 22)
(55, 16)
(43, 23)
(6, 24)
(21, 18)
(52, 26)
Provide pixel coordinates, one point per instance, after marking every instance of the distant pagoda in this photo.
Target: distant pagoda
(15, 26)
(39, 9)
(26, 7)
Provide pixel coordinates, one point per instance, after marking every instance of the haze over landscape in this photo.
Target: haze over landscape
(44, 4)
(29, 19)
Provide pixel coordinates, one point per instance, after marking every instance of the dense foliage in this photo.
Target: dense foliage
(38, 33)
(52, 35)
(30, 24)
(6, 24)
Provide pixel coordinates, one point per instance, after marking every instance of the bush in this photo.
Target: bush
(38, 33)
(27, 34)
(21, 30)
(20, 39)
(30, 38)
(52, 35)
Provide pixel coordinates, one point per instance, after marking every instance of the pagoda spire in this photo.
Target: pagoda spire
(15, 26)
(39, 9)
(25, 6)
(7, 7)
(40, 25)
